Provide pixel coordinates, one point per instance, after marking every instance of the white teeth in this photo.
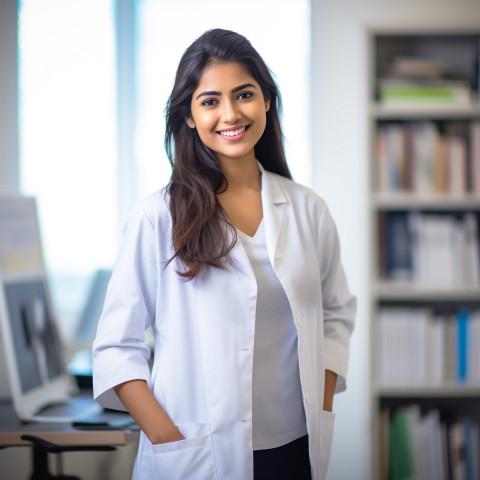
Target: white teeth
(232, 133)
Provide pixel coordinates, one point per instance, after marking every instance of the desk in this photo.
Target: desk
(62, 435)
(11, 430)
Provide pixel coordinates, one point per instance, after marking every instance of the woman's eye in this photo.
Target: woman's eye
(244, 95)
(209, 102)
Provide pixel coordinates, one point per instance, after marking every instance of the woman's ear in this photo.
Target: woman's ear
(267, 105)
(190, 121)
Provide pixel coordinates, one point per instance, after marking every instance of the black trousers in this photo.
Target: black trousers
(288, 462)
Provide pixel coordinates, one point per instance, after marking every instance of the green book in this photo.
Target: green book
(400, 454)
(418, 92)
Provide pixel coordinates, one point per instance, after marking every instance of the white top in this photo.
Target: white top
(278, 416)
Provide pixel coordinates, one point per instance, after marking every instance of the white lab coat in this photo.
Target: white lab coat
(204, 333)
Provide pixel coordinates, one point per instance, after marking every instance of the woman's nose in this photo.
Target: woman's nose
(230, 112)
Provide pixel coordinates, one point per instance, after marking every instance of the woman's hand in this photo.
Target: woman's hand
(330, 382)
(173, 435)
(147, 412)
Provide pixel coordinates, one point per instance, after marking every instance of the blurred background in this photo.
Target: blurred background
(83, 85)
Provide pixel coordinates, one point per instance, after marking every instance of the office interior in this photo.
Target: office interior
(331, 156)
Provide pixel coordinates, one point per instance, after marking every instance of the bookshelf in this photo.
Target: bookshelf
(424, 204)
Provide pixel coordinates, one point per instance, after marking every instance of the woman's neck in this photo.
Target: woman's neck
(241, 174)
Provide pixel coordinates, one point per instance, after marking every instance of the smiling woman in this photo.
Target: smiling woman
(211, 95)
(237, 269)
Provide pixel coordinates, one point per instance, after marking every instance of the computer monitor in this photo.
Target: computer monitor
(33, 351)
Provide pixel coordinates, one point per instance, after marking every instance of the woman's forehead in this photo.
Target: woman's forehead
(224, 74)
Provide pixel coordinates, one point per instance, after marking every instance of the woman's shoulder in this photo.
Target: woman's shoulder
(154, 207)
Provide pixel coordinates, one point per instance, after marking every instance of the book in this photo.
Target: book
(414, 92)
(383, 443)
(391, 150)
(424, 139)
(398, 250)
(434, 454)
(475, 155)
(456, 436)
(435, 349)
(471, 249)
(462, 320)
(382, 244)
(400, 455)
(473, 352)
(417, 67)
(457, 164)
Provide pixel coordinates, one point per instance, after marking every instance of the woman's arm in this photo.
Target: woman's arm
(147, 412)
(330, 382)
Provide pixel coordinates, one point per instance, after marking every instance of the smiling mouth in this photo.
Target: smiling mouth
(233, 133)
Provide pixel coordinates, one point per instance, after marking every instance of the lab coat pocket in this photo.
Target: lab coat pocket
(191, 458)
(327, 420)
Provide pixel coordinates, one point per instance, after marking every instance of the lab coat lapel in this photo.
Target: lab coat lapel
(274, 202)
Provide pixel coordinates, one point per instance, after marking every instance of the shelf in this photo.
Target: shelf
(428, 391)
(411, 292)
(440, 112)
(429, 329)
(438, 202)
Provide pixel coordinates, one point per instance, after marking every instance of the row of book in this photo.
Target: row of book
(413, 92)
(416, 445)
(414, 81)
(417, 346)
(426, 158)
(434, 250)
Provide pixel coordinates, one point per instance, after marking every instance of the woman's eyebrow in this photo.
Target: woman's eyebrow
(208, 94)
(241, 87)
(218, 94)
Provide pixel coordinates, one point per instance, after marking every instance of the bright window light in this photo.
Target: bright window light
(67, 102)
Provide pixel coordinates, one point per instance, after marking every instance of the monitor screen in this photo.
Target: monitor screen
(35, 344)
(33, 351)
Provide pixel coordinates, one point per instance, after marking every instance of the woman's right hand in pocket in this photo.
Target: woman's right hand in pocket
(172, 435)
(147, 412)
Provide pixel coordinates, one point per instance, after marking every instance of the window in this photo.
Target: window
(67, 134)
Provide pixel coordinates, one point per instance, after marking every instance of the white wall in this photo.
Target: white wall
(8, 96)
(340, 171)
(8, 123)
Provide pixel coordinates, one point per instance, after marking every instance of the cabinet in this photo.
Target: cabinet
(424, 204)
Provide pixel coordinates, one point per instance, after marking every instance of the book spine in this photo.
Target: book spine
(462, 349)
(475, 155)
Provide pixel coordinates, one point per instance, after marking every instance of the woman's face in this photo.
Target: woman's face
(229, 111)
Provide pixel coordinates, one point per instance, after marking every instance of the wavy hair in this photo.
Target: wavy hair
(199, 223)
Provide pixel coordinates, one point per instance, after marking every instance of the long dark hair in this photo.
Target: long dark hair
(200, 225)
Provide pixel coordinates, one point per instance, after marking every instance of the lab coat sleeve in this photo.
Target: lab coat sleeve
(119, 351)
(339, 305)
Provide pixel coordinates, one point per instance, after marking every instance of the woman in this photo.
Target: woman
(237, 269)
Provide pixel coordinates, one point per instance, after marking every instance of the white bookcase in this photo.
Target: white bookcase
(424, 208)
